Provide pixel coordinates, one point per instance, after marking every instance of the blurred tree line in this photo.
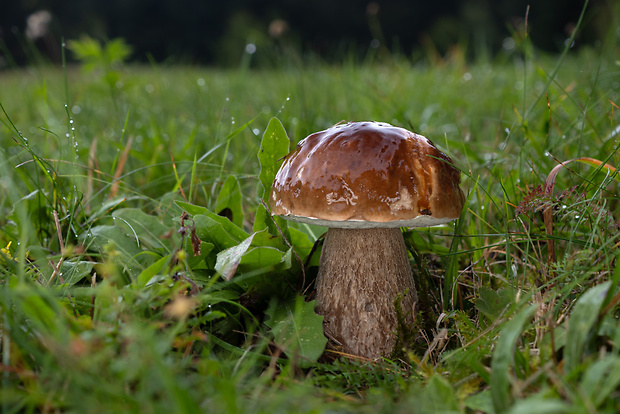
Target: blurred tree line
(221, 32)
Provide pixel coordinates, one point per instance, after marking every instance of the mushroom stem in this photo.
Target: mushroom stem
(361, 273)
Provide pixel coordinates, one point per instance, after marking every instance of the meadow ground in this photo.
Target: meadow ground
(123, 289)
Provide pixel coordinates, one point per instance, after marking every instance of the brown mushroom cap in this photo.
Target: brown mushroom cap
(367, 174)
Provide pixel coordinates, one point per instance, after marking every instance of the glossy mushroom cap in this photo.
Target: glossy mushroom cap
(367, 174)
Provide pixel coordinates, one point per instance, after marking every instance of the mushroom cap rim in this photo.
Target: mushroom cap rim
(419, 221)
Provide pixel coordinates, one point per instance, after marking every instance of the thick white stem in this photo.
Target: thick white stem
(361, 273)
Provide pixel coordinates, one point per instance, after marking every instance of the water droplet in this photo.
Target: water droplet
(250, 48)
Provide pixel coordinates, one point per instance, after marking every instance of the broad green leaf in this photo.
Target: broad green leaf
(479, 402)
(440, 396)
(205, 220)
(199, 261)
(302, 244)
(150, 272)
(273, 148)
(219, 231)
(106, 208)
(229, 199)
(113, 237)
(601, 379)
(298, 330)
(146, 227)
(582, 319)
(492, 303)
(266, 239)
(540, 405)
(72, 272)
(503, 358)
(192, 209)
(260, 257)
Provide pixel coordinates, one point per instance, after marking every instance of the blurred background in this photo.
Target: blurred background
(223, 33)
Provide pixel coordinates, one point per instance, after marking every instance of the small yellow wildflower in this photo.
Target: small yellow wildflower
(5, 251)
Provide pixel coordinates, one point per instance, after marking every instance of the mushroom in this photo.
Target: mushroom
(364, 181)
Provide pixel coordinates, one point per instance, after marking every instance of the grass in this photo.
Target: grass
(122, 289)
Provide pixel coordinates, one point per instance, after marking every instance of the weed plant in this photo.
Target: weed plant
(140, 271)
